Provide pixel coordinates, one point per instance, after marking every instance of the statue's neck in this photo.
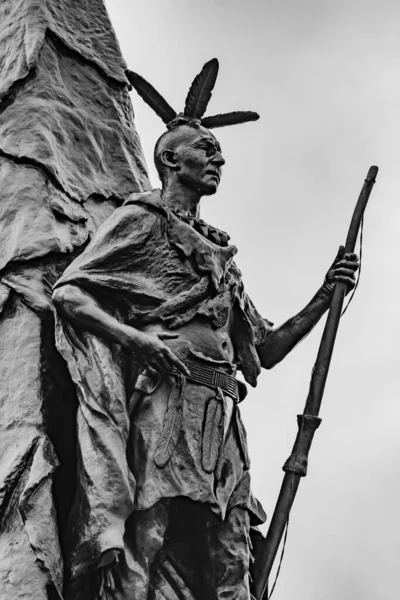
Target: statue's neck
(181, 199)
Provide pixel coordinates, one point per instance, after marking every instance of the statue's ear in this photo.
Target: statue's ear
(169, 159)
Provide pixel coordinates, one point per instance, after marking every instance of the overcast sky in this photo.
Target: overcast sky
(325, 78)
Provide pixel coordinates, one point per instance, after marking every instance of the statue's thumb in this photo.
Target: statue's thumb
(340, 253)
(339, 256)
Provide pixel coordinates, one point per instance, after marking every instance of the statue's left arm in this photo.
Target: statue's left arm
(281, 340)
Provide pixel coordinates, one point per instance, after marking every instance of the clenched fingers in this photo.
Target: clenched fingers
(351, 256)
(349, 281)
(344, 272)
(351, 265)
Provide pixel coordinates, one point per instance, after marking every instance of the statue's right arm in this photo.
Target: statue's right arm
(85, 312)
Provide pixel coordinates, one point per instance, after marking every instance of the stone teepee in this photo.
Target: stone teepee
(69, 155)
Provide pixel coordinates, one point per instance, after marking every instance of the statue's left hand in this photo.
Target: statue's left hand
(109, 562)
(343, 269)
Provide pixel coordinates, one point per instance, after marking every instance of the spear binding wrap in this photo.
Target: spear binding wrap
(296, 466)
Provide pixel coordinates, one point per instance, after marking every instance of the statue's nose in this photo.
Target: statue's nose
(218, 159)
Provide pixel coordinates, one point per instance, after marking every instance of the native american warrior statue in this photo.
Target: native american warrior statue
(154, 324)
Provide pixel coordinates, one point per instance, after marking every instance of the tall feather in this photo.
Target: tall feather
(213, 432)
(232, 118)
(151, 97)
(172, 424)
(201, 89)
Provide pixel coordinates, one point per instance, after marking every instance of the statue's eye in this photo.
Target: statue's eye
(209, 149)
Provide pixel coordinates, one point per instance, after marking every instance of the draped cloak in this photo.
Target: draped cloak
(144, 265)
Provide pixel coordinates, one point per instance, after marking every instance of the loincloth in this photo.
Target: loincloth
(187, 439)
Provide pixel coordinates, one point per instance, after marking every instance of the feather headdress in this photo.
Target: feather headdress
(196, 103)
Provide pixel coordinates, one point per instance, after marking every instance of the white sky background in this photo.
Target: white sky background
(325, 77)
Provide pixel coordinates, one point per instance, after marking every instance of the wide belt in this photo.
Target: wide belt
(211, 378)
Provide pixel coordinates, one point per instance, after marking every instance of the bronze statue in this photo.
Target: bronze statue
(154, 323)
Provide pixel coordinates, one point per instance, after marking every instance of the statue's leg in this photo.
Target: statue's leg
(144, 535)
(128, 572)
(229, 553)
(204, 557)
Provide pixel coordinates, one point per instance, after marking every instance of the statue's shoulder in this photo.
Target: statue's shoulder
(140, 211)
(137, 219)
(149, 200)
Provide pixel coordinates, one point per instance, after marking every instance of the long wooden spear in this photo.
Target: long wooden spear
(296, 465)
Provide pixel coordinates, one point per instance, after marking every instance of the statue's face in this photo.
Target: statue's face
(199, 160)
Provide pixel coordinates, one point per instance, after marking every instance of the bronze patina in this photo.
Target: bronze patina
(154, 324)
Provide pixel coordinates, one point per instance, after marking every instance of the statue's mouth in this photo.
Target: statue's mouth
(214, 174)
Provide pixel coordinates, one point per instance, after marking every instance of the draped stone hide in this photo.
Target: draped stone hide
(69, 155)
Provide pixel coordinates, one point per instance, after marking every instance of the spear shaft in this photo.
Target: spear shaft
(296, 465)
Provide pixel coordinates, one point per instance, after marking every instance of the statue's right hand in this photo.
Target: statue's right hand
(152, 352)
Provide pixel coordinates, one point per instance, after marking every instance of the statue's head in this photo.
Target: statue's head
(188, 151)
(191, 155)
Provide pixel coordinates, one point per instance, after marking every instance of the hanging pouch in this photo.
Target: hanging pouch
(146, 383)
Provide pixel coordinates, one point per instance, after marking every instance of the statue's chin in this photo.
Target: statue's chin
(209, 190)
(204, 187)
